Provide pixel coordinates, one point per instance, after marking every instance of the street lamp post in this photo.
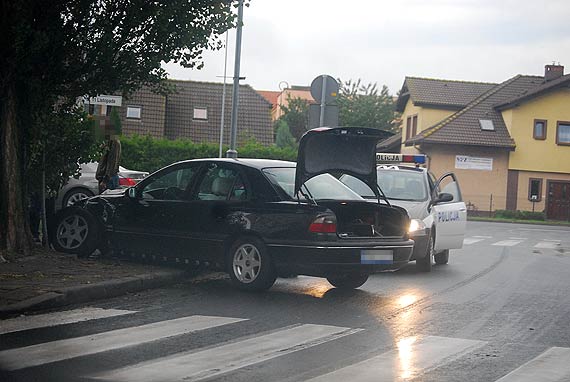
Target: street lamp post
(232, 152)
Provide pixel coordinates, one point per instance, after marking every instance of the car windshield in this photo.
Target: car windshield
(321, 187)
(396, 185)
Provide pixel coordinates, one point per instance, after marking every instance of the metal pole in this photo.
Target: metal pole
(223, 99)
(323, 102)
(45, 237)
(232, 152)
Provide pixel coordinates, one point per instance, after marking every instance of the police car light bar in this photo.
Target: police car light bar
(400, 158)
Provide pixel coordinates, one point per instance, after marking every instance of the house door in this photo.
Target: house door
(558, 207)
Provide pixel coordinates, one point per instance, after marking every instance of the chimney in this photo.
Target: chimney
(552, 72)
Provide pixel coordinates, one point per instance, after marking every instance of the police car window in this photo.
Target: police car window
(406, 185)
(449, 186)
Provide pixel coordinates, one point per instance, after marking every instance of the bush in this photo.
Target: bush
(149, 154)
(520, 215)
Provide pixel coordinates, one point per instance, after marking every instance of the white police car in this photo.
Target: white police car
(436, 208)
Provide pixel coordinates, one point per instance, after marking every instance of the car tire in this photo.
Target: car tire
(424, 264)
(348, 281)
(442, 257)
(75, 195)
(75, 232)
(250, 266)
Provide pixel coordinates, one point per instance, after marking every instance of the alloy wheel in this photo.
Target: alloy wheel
(72, 232)
(246, 263)
(76, 197)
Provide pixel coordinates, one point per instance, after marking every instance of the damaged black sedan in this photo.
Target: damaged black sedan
(257, 219)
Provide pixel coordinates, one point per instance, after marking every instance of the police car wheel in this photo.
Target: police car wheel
(424, 263)
(442, 257)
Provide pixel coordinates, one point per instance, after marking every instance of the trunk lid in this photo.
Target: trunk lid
(347, 150)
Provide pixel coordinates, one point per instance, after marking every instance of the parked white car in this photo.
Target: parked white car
(87, 186)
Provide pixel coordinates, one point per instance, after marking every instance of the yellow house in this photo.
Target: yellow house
(508, 143)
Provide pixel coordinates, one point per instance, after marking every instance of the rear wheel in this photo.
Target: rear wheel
(424, 264)
(442, 257)
(76, 231)
(250, 266)
(76, 195)
(348, 281)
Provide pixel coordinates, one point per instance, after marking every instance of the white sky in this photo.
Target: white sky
(384, 41)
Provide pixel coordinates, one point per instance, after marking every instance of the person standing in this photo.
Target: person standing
(108, 168)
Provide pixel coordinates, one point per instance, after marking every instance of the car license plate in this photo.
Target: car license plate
(376, 256)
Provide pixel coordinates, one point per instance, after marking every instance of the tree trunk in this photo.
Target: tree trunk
(15, 224)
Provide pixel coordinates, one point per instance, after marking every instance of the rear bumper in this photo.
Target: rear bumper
(330, 258)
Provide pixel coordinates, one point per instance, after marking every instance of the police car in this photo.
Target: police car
(435, 206)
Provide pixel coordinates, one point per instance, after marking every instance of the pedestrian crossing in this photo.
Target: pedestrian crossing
(404, 359)
(513, 241)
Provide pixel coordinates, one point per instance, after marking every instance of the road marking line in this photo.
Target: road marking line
(517, 238)
(19, 324)
(551, 366)
(194, 366)
(483, 237)
(54, 351)
(471, 240)
(548, 244)
(411, 358)
(507, 243)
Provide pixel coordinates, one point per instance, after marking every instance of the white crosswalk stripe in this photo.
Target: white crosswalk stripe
(194, 366)
(551, 366)
(54, 351)
(548, 244)
(411, 358)
(58, 318)
(508, 243)
(472, 240)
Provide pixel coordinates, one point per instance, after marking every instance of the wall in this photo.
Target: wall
(523, 203)
(539, 155)
(427, 117)
(282, 100)
(477, 186)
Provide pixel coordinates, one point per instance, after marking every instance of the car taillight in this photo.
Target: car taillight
(127, 182)
(323, 224)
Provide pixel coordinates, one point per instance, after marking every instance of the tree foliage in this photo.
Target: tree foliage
(296, 115)
(283, 137)
(363, 105)
(51, 53)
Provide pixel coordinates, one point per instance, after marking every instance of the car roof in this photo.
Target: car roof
(249, 162)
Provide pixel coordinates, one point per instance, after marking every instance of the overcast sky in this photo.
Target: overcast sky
(384, 41)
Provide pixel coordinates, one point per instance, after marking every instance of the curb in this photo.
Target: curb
(90, 292)
(545, 223)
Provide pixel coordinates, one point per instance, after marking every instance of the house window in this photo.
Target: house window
(539, 129)
(200, 113)
(563, 133)
(535, 190)
(134, 112)
(414, 125)
(408, 127)
(487, 125)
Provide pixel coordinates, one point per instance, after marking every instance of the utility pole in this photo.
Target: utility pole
(232, 152)
(223, 99)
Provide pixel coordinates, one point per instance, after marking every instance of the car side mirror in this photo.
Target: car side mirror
(132, 192)
(444, 197)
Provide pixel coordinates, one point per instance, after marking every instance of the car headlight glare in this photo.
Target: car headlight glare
(416, 225)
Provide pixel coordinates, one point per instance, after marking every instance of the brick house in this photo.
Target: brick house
(194, 112)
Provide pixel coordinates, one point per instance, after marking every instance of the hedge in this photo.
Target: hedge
(149, 154)
(520, 215)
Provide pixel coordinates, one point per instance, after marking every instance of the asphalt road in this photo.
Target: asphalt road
(499, 311)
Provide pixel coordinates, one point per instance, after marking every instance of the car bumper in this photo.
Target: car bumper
(421, 240)
(328, 258)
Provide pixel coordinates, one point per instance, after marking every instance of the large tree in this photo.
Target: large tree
(363, 105)
(296, 115)
(53, 52)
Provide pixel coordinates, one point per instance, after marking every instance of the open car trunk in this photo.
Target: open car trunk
(361, 219)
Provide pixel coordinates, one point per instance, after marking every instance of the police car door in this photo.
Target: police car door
(449, 217)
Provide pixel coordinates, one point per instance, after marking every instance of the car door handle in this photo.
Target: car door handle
(462, 209)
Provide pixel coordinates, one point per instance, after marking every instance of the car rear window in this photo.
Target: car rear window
(321, 187)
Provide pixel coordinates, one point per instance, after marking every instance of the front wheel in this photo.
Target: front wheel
(442, 257)
(76, 232)
(348, 281)
(250, 266)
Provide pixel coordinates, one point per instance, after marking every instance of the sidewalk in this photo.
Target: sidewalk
(48, 279)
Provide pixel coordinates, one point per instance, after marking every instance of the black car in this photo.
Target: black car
(258, 219)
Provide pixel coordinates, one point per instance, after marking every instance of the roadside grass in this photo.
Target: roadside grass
(519, 221)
